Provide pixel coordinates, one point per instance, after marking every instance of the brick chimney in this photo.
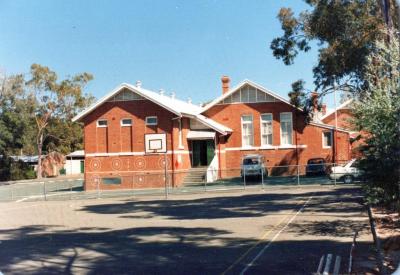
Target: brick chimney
(314, 100)
(323, 109)
(225, 84)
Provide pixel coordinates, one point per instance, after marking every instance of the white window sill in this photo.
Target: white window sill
(268, 147)
(291, 146)
(326, 147)
(248, 148)
(181, 147)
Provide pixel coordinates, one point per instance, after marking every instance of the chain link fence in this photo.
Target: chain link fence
(195, 180)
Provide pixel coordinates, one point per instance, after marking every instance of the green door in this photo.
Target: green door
(210, 151)
(203, 152)
(196, 153)
(82, 166)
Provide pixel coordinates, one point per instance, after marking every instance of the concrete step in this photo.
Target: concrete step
(195, 175)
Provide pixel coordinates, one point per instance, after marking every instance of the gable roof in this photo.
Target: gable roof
(343, 106)
(239, 86)
(174, 105)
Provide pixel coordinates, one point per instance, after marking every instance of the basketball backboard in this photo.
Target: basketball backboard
(155, 143)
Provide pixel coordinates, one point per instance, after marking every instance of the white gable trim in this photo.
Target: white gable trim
(240, 85)
(113, 93)
(340, 107)
(326, 126)
(211, 124)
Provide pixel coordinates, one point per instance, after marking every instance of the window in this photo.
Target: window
(116, 180)
(247, 131)
(151, 120)
(327, 139)
(126, 122)
(286, 128)
(266, 129)
(102, 123)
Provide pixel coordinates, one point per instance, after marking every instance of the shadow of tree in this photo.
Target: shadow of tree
(253, 205)
(160, 249)
(144, 249)
(332, 228)
(155, 250)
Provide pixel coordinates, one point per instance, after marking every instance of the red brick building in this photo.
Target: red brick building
(245, 119)
(344, 116)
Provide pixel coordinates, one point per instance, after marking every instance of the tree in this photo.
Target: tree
(15, 115)
(55, 101)
(376, 114)
(344, 30)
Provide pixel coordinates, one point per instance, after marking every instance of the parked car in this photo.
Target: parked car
(315, 167)
(253, 165)
(348, 172)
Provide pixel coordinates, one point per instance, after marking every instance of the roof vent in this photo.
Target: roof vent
(138, 84)
(161, 91)
(189, 100)
(173, 95)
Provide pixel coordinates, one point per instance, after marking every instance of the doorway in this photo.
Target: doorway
(202, 152)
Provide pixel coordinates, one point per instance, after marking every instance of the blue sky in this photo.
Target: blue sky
(180, 46)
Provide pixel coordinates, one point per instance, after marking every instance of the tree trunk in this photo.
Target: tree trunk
(39, 147)
(398, 129)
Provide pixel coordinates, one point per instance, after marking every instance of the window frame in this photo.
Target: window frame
(323, 139)
(126, 125)
(102, 126)
(261, 130)
(252, 130)
(281, 132)
(151, 124)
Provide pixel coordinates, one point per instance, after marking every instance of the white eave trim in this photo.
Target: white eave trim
(326, 126)
(340, 107)
(240, 85)
(223, 130)
(114, 92)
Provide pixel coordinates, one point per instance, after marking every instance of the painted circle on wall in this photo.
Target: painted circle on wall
(94, 180)
(140, 163)
(116, 164)
(139, 180)
(161, 162)
(95, 164)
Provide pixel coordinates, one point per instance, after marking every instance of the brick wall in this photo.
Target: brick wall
(310, 136)
(115, 139)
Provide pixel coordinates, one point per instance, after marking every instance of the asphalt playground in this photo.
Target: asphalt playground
(278, 230)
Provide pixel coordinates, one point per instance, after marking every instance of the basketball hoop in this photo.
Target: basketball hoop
(155, 143)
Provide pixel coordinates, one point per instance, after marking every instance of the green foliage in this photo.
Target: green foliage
(36, 115)
(56, 102)
(344, 31)
(15, 116)
(377, 115)
(298, 96)
(15, 170)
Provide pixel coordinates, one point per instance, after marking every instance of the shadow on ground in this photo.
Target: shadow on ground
(253, 205)
(174, 249)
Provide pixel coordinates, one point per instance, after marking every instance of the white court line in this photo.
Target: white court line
(274, 238)
(48, 195)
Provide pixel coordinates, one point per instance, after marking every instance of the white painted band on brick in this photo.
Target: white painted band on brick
(280, 147)
(142, 153)
(141, 172)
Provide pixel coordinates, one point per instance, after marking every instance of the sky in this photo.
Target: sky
(177, 45)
